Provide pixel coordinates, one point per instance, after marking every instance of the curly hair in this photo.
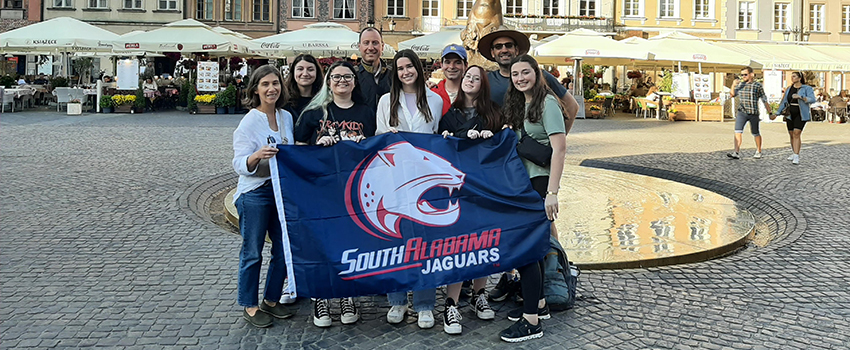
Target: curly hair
(514, 108)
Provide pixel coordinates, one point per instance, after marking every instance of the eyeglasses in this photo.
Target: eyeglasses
(339, 77)
(505, 45)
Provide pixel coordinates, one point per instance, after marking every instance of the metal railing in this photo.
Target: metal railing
(560, 24)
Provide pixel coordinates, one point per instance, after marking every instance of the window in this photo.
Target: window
(97, 4)
(344, 9)
(587, 8)
(513, 7)
(702, 9)
(261, 10)
(845, 18)
(63, 3)
(632, 8)
(463, 8)
(303, 8)
(816, 20)
(13, 4)
(132, 4)
(667, 9)
(167, 4)
(781, 16)
(205, 9)
(232, 10)
(550, 8)
(745, 15)
(395, 8)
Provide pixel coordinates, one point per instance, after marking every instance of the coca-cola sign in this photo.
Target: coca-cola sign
(131, 45)
(209, 47)
(270, 45)
(420, 48)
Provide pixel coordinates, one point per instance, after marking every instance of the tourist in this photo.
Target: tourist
(374, 77)
(530, 107)
(749, 92)
(254, 143)
(453, 63)
(411, 107)
(302, 83)
(472, 115)
(798, 98)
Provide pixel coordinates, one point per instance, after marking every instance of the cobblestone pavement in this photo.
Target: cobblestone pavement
(101, 245)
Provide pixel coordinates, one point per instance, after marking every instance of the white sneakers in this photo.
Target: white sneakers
(795, 159)
(286, 298)
(426, 319)
(396, 313)
(757, 155)
(791, 157)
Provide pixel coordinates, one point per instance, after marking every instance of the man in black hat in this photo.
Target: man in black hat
(502, 46)
(373, 76)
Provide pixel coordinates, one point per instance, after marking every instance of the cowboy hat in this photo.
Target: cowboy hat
(486, 42)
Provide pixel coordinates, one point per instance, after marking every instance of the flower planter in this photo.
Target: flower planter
(75, 108)
(206, 109)
(710, 113)
(125, 108)
(686, 112)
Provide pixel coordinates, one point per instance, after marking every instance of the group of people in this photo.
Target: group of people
(352, 103)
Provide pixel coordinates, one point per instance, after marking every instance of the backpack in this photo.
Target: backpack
(560, 278)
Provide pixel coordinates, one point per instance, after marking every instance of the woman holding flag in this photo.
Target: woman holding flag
(411, 107)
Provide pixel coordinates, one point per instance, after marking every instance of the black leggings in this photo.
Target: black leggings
(531, 280)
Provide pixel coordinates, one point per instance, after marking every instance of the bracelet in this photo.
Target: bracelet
(554, 193)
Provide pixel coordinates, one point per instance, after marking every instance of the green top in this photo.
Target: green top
(551, 123)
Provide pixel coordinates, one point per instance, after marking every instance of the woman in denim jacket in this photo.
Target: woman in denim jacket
(798, 99)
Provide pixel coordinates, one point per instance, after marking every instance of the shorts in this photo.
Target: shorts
(795, 120)
(741, 119)
(540, 184)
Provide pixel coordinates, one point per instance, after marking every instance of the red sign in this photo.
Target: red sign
(209, 47)
(131, 45)
(699, 56)
(591, 52)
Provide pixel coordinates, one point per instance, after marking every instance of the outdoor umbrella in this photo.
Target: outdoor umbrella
(677, 48)
(320, 40)
(785, 56)
(186, 35)
(593, 47)
(240, 40)
(431, 45)
(62, 34)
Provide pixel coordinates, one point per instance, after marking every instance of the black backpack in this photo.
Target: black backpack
(560, 278)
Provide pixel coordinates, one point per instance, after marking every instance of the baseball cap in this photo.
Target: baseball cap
(455, 49)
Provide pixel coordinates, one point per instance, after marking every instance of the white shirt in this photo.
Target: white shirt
(253, 133)
(410, 121)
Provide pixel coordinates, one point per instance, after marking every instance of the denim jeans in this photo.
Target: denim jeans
(258, 214)
(423, 300)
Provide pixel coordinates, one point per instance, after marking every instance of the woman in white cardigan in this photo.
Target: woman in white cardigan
(409, 106)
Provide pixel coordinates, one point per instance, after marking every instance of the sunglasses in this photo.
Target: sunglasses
(505, 45)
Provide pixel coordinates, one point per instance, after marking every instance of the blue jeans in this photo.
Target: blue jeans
(741, 119)
(258, 214)
(423, 300)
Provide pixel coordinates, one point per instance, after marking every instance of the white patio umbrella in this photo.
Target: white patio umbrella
(431, 45)
(62, 34)
(186, 35)
(323, 39)
(240, 40)
(677, 48)
(785, 56)
(593, 47)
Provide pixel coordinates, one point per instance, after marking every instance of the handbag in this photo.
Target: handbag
(534, 151)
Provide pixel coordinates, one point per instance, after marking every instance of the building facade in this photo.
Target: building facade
(647, 18)
(117, 16)
(355, 14)
(18, 13)
(255, 18)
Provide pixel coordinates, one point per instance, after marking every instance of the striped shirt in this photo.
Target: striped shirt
(749, 95)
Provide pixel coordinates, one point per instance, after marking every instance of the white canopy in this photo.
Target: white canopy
(62, 34)
(678, 48)
(323, 39)
(186, 35)
(239, 39)
(431, 45)
(773, 55)
(594, 47)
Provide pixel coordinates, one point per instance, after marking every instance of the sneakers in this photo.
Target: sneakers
(757, 155)
(286, 298)
(791, 157)
(278, 310)
(482, 307)
(734, 155)
(542, 313)
(321, 313)
(451, 318)
(521, 331)
(260, 318)
(503, 289)
(796, 159)
(426, 319)
(466, 289)
(396, 313)
(349, 312)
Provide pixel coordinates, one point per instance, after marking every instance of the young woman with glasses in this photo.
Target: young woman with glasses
(410, 107)
(337, 113)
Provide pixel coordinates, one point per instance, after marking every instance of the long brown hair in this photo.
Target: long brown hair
(252, 99)
(514, 108)
(291, 85)
(395, 90)
(483, 105)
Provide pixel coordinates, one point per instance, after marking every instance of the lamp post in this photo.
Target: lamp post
(370, 23)
(799, 34)
(392, 25)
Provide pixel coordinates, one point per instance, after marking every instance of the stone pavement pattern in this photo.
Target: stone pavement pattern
(100, 245)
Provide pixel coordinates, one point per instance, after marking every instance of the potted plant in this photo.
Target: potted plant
(139, 103)
(228, 98)
(710, 111)
(671, 113)
(220, 102)
(686, 111)
(595, 111)
(205, 103)
(123, 103)
(75, 107)
(106, 104)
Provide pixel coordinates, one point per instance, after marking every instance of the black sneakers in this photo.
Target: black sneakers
(482, 307)
(349, 312)
(521, 331)
(542, 313)
(466, 289)
(503, 289)
(451, 318)
(321, 313)
(260, 318)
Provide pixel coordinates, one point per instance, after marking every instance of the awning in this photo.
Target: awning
(840, 53)
(323, 39)
(186, 35)
(431, 45)
(677, 48)
(593, 47)
(62, 34)
(788, 56)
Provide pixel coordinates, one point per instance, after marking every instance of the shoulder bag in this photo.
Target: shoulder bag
(534, 151)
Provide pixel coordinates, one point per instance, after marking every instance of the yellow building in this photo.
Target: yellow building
(827, 20)
(647, 18)
(403, 19)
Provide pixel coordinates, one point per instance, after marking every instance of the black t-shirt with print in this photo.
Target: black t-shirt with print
(342, 124)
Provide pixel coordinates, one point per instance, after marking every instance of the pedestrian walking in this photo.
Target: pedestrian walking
(255, 141)
(798, 99)
(748, 92)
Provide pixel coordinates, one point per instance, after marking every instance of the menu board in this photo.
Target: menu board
(702, 87)
(207, 76)
(681, 86)
(773, 84)
(127, 74)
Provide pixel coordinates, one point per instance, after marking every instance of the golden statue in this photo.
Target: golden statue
(484, 18)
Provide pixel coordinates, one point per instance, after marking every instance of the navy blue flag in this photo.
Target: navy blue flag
(404, 211)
